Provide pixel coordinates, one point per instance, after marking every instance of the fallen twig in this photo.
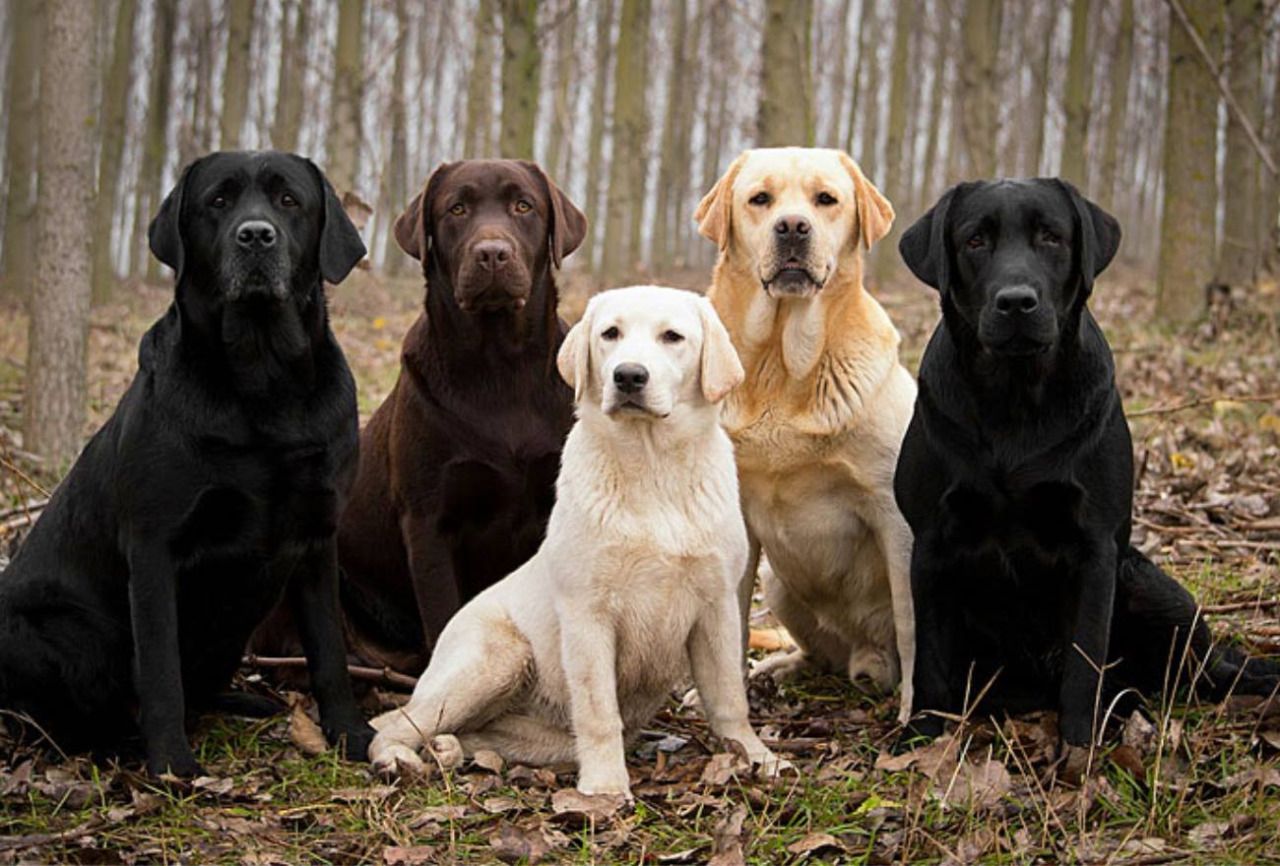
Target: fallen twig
(31, 840)
(1201, 401)
(385, 676)
(1228, 607)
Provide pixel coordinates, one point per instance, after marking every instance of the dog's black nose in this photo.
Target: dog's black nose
(630, 378)
(792, 225)
(256, 234)
(1018, 299)
(492, 255)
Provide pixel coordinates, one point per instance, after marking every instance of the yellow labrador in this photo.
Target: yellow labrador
(820, 418)
(636, 583)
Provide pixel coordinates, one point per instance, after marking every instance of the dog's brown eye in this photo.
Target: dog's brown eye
(976, 242)
(672, 337)
(523, 206)
(287, 200)
(611, 333)
(760, 198)
(458, 209)
(826, 198)
(218, 202)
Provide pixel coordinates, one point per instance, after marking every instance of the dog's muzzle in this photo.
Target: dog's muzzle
(629, 381)
(492, 278)
(791, 272)
(257, 264)
(1015, 322)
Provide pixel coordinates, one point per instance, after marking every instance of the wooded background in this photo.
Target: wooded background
(634, 107)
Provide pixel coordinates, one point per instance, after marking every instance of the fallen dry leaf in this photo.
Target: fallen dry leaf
(413, 855)
(726, 840)
(815, 843)
(1212, 834)
(487, 759)
(305, 733)
(575, 806)
(512, 844)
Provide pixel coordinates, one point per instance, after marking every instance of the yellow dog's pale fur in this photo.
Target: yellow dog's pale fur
(635, 585)
(819, 420)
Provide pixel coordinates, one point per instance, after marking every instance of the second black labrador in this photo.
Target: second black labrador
(212, 491)
(1016, 476)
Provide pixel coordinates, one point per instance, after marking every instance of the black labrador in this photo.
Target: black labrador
(1016, 476)
(213, 491)
(458, 466)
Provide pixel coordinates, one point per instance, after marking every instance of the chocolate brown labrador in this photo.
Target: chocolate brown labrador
(458, 466)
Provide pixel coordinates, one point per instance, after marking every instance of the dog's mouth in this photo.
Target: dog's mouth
(260, 282)
(793, 278)
(631, 406)
(492, 301)
(1017, 346)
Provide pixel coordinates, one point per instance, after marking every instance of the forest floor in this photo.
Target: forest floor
(1197, 784)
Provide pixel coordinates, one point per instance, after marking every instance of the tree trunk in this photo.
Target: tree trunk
(980, 85)
(595, 139)
(560, 138)
(895, 177)
(1269, 192)
(439, 52)
(1076, 98)
(21, 103)
(670, 157)
(235, 77)
(1038, 106)
(155, 144)
(943, 37)
(521, 65)
(785, 115)
(395, 186)
(866, 50)
(1238, 252)
(195, 132)
(479, 126)
(55, 387)
(1190, 188)
(345, 127)
(868, 154)
(682, 225)
(630, 131)
(1121, 65)
(839, 78)
(716, 122)
(293, 72)
(115, 103)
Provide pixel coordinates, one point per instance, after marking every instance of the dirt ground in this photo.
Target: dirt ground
(1198, 783)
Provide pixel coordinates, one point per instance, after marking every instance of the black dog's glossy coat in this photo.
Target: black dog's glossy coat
(1016, 476)
(212, 491)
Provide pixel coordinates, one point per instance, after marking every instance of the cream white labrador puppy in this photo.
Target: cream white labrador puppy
(635, 585)
(818, 422)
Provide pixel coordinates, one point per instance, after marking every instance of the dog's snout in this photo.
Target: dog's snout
(792, 225)
(256, 234)
(630, 378)
(493, 254)
(1016, 299)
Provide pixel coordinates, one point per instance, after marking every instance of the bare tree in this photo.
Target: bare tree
(155, 143)
(595, 138)
(479, 129)
(521, 69)
(785, 114)
(235, 77)
(115, 103)
(895, 177)
(560, 146)
(1238, 255)
(670, 157)
(293, 71)
(1076, 98)
(55, 395)
(630, 134)
(979, 85)
(345, 125)
(1121, 66)
(395, 180)
(20, 148)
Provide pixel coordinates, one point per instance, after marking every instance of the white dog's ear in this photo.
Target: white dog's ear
(875, 213)
(714, 215)
(721, 369)
(574, 358)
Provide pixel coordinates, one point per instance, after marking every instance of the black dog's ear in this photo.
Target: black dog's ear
(568, 224)
(1098, 233)
(412, 227)
(924, 245)
(164, 235)
(341, 247)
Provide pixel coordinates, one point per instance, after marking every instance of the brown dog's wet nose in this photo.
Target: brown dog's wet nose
(788, 226)
(492, 255)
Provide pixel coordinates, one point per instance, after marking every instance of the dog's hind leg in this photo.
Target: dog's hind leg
(816, 647)
(480, 663)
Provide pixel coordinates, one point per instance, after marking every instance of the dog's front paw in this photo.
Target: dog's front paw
(605, 782)
(769, 766)
(781, 666)
(354, 741)
(447, 750)
(394, 760)
(917, 733)
(181, 763)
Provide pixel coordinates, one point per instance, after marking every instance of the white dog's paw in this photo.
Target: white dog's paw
(782, 666)
(447, 750)
(605, 782)
(691, 700)
(770, 766)
(394, 760)
(876, 665)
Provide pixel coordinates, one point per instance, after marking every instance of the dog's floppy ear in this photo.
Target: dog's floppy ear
(715, 212)
(568, 225)
(413, 227)
(341, 247)
(164, 235)
(1097, 236)
(875, 213)
(721, 369)
(924, 246)
(574, 358)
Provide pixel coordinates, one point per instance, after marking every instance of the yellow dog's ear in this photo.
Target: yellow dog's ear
(875, 214)
(574, 358)
(721, 369)
(714, 215)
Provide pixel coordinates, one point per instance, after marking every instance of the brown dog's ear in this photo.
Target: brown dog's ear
(413, 227)
(875, 213)
(721, 369)
(568, 225)
(574, 358)
(714, 215)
